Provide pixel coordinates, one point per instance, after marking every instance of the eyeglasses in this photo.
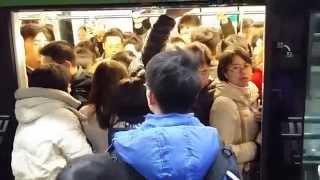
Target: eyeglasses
(206, 70)
(238, 68)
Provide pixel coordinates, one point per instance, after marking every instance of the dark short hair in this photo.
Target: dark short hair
(124, 57)
(51, 76)
(202, 51)
(226, 59)
(30, 30)
(208, 36)
(130, 100)
(173, 78)
(59, 51)
(113, 32)
(188, 20)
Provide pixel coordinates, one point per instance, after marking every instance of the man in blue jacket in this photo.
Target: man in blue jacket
(171, 143)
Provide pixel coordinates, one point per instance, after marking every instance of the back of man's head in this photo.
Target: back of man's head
(59, 52)
(173, 79)
(51, 76)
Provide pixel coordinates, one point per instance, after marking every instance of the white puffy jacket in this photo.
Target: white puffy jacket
(48, 135)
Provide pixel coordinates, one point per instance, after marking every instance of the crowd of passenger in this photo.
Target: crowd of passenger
(160, 102)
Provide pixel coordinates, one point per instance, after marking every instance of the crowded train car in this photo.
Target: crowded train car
(164, 89)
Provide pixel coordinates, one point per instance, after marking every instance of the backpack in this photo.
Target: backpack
(225, 166)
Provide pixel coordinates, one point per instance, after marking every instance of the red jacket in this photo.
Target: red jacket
(257, 78)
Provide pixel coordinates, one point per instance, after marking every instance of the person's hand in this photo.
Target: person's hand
(222, 17)
(174, 13)
(258, 116)
(138, 17)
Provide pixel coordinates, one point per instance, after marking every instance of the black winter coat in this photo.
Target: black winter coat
(81, 85)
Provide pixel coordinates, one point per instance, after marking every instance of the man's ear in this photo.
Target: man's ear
(72, 69)
(152, 102)
(150, 97)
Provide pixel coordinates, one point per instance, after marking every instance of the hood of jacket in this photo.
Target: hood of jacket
(169, 146)
(34, 103)
(244, 96)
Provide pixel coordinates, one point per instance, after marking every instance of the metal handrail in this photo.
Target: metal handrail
(131, 16)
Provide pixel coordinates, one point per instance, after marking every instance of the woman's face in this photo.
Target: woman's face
(239, 72)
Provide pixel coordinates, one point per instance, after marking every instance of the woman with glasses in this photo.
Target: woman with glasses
(235, 109)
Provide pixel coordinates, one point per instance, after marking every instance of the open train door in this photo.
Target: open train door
(290, 91)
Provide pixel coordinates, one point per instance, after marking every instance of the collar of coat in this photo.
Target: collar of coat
(31, 92)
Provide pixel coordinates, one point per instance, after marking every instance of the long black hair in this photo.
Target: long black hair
(105, 84)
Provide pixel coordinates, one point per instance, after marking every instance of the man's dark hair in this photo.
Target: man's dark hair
(59, 51)
(173, 78)
(113, 32)
(30, 30)
(188, 20)
(130, 100)
(51, 76)
(226, 59)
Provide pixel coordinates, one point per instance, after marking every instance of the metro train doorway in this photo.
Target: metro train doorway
(19, 45)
